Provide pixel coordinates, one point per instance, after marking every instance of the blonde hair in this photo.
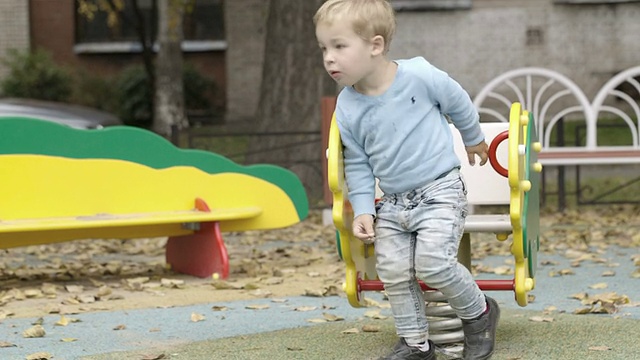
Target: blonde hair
(368, 18)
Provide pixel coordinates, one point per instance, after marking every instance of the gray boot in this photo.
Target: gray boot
(402, 351)
(480, 333)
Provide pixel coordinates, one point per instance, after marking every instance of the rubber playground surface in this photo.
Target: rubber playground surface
(304, 327)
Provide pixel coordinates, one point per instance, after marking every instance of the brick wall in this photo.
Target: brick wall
(14, 27)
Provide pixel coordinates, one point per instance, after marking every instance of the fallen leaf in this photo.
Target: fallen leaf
(33, 293)
(104, 291)
(314, 293)
(503, 270)
(583, 310)
(608, 273)
(86, 299)
(580, 296)
(305, 308)
(317, 321)
(39, 356)
(370, 328)
(371, 303)
(273, 281)
(120, 327)
(172, 283)
(331, 317)
(251, 286)
(152, 357)
(68, 339)
(195, 317)
(49, 289)
(63, 321)
(375, 314)
(541, 319)
(599, 348)
(74, 289)
(261, 293)
(225, 285)
(350, 331)
(5, 344)
(599, 286)
(219, 308)
(257, 307)
(36, 331)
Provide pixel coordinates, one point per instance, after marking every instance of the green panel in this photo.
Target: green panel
(22, 135)
(339, 245)
(531, 230)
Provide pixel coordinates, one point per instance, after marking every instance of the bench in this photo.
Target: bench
(519, 190)
(552, 98)
(62, 184)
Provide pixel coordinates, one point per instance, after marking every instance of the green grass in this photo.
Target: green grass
(610, 132)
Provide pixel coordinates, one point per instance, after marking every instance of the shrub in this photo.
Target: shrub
(35, 75)
(135, 95)
(95, 91)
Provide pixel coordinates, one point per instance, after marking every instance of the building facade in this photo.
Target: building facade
(473, 40)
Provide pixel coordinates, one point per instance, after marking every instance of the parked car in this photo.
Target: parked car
(75, 116)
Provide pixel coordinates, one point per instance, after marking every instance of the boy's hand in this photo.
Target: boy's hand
(363, 228)
(482, 150)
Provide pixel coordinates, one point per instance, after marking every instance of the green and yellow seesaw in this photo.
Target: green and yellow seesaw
(60, 184)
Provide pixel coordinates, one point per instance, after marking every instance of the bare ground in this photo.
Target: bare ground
(102, 275)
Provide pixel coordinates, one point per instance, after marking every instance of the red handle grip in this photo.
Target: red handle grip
(493, 158)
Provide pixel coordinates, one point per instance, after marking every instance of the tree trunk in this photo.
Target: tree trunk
(293, 83)
(169, 108)
(146, 41)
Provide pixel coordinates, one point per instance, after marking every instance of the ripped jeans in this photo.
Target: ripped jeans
(417, 237)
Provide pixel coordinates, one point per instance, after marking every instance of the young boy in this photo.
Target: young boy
(392, 117)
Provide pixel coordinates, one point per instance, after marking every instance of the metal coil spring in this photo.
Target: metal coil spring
(445, 328)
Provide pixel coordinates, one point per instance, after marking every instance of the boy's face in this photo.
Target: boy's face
(347, 57)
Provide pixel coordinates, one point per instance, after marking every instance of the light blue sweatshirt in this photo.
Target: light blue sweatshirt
(402, 137)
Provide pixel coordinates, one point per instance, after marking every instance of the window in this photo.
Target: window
(203, 28)
(430, 5)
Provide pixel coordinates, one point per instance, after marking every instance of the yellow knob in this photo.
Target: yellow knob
(528, 284)
(537, 146)
(524, 119)
(502, 236)
(537, 167)
(525, 185)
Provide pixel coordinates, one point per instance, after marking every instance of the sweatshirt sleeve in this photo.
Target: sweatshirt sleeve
(455, 102)
(358, 173)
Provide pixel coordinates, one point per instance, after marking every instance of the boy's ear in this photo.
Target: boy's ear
(377, 43)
